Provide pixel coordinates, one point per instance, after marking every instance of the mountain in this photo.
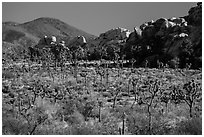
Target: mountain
(18, 37)
(50, 26)
(33, 30)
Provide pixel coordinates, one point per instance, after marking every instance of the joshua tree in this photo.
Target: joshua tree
(77, 51)
(100, 105)
(133, 61)
(101, 72)
(160, 64)
(123, 57)
(115, 98)
(122, 125)
(134, 84)
(191, 94)
(118, 88)
(84, 74)
(165, 98)
(150, 98)
(117, 63)
(146, 63)
(107, 75)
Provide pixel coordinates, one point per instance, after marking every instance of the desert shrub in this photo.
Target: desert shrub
(14, 126)
(68, 107)
(86, 107)
(137, 123)
(75, 118)
(7, 75)
(191, 127)
(83, 129)
(13, 35)
(108, 126)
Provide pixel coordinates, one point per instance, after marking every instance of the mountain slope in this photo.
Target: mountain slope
(51, 26)
(34, 30)
(18, 37)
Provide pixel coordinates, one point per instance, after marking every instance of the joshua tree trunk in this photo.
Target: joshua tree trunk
(166, 107)
(75, 67)
(107, 82)
(99, 120)
(190, 104)
(150, 118)
(115, 99)
(101, 79)
(128, 87)
(33, 130)
(190, 110)
(123, 128)
(85, 82)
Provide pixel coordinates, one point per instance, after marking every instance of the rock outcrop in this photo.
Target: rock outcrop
(169, 39)
(108, 43)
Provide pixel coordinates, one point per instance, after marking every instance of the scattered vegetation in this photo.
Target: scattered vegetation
(133, 101)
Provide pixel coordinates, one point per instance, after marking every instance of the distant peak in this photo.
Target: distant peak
(47, 18)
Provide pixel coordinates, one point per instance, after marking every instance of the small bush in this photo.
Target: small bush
(137, 124)
(14, 126)
(83, 129)
(190, 127)
(7, 75)
(75, 118)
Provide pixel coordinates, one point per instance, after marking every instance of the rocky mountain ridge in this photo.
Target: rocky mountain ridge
(176, 41)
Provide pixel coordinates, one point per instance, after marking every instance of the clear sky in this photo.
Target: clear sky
(95, 17)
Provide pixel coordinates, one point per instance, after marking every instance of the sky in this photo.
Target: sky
(95, 17)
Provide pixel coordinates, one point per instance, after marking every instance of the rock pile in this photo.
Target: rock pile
(169, 39)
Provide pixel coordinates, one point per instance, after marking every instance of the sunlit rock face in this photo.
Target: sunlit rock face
(116, 33)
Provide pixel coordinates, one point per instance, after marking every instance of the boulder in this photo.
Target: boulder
(149, 32)
(165, 28)
(78, 41)
(183, 35)
(178, 21)
(195, 15)
(46, 42)
(134, 36)
(143, 26)
(159, 22)
(167, 25)
(53, 40)
(117, 33)
(172, 47)
(113, 36)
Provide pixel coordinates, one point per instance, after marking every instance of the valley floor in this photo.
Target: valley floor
(100, 101)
